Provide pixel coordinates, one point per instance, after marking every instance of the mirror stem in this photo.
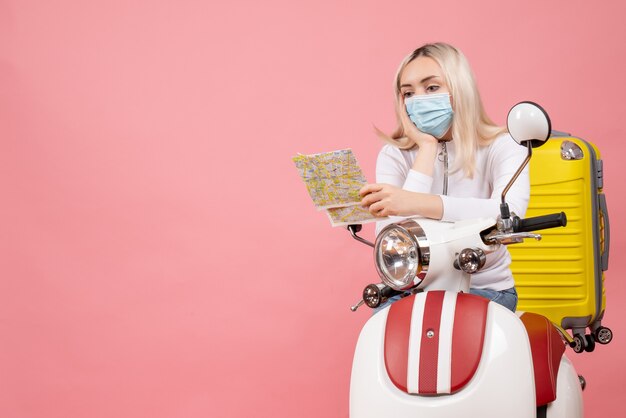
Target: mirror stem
(356, 228)
(503, 205)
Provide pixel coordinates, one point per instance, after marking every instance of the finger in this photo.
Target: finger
(382, 208)
(369, 188)
(382, 213)
(405, 121)
(373, 211)
(409, 127)
(370, 199)
(402, 110)
(376, 208)
(404, 117)
(374, 197)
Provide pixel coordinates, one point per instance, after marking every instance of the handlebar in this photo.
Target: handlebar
(537, 223)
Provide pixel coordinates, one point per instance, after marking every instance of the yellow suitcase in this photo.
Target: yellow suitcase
(562, 276)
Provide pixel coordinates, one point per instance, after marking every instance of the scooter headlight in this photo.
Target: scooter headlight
(402, 255)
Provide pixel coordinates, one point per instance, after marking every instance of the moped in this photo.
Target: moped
(440, 351)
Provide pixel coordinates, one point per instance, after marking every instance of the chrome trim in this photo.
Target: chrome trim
(356, 306)
(470, 260)
(417, 234)
(372, 295)
(506, 238)
(519, 170)
(444, 154)
(356, 228)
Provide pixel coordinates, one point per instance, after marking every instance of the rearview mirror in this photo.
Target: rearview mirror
(529, 122)
(529, 125)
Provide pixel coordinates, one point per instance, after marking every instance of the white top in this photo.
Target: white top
(478, 197)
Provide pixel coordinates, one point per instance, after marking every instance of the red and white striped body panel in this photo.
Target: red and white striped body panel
(433, 344)
(425, 356)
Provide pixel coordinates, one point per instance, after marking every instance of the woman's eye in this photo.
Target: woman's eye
(407, 94)
(432, 88)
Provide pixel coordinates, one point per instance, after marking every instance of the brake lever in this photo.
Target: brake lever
(506, 238)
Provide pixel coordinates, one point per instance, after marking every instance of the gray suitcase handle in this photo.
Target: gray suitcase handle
(607, 232)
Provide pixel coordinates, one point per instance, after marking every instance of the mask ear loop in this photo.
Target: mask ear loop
(444, 154)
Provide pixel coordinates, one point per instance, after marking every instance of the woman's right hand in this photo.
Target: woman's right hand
(423, 140)
(425, 158)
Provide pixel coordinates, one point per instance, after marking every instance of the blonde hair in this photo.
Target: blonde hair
(471, 127)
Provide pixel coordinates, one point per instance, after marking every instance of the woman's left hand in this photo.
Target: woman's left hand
(388, 200)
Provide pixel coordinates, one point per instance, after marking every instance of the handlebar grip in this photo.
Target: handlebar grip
(537, 223)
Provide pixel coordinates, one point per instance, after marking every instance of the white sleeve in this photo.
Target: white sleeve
(503, 161)
(392, 167)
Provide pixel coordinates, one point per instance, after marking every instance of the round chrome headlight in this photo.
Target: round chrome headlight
(402, 255)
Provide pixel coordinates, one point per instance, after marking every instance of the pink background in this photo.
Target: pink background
(160, 257)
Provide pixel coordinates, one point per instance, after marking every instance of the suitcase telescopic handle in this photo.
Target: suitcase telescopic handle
(537, 223)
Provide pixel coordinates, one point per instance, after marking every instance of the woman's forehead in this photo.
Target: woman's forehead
(419, 69)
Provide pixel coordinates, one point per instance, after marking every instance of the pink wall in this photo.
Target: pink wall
(160, 256)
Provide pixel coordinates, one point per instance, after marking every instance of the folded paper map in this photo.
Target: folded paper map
(333, 180)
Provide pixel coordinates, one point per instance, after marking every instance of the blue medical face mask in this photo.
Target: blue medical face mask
(431, 113)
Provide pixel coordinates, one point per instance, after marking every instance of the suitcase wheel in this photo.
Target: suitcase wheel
(583, 343)
(591, 343)
(603, 335)
(578, 345)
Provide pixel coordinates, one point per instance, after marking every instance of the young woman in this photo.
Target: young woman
(447, 160)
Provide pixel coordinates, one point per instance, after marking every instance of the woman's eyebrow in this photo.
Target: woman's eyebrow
(421, 82)
(428, 78)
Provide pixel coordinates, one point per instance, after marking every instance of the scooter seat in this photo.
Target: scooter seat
(547, 348)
